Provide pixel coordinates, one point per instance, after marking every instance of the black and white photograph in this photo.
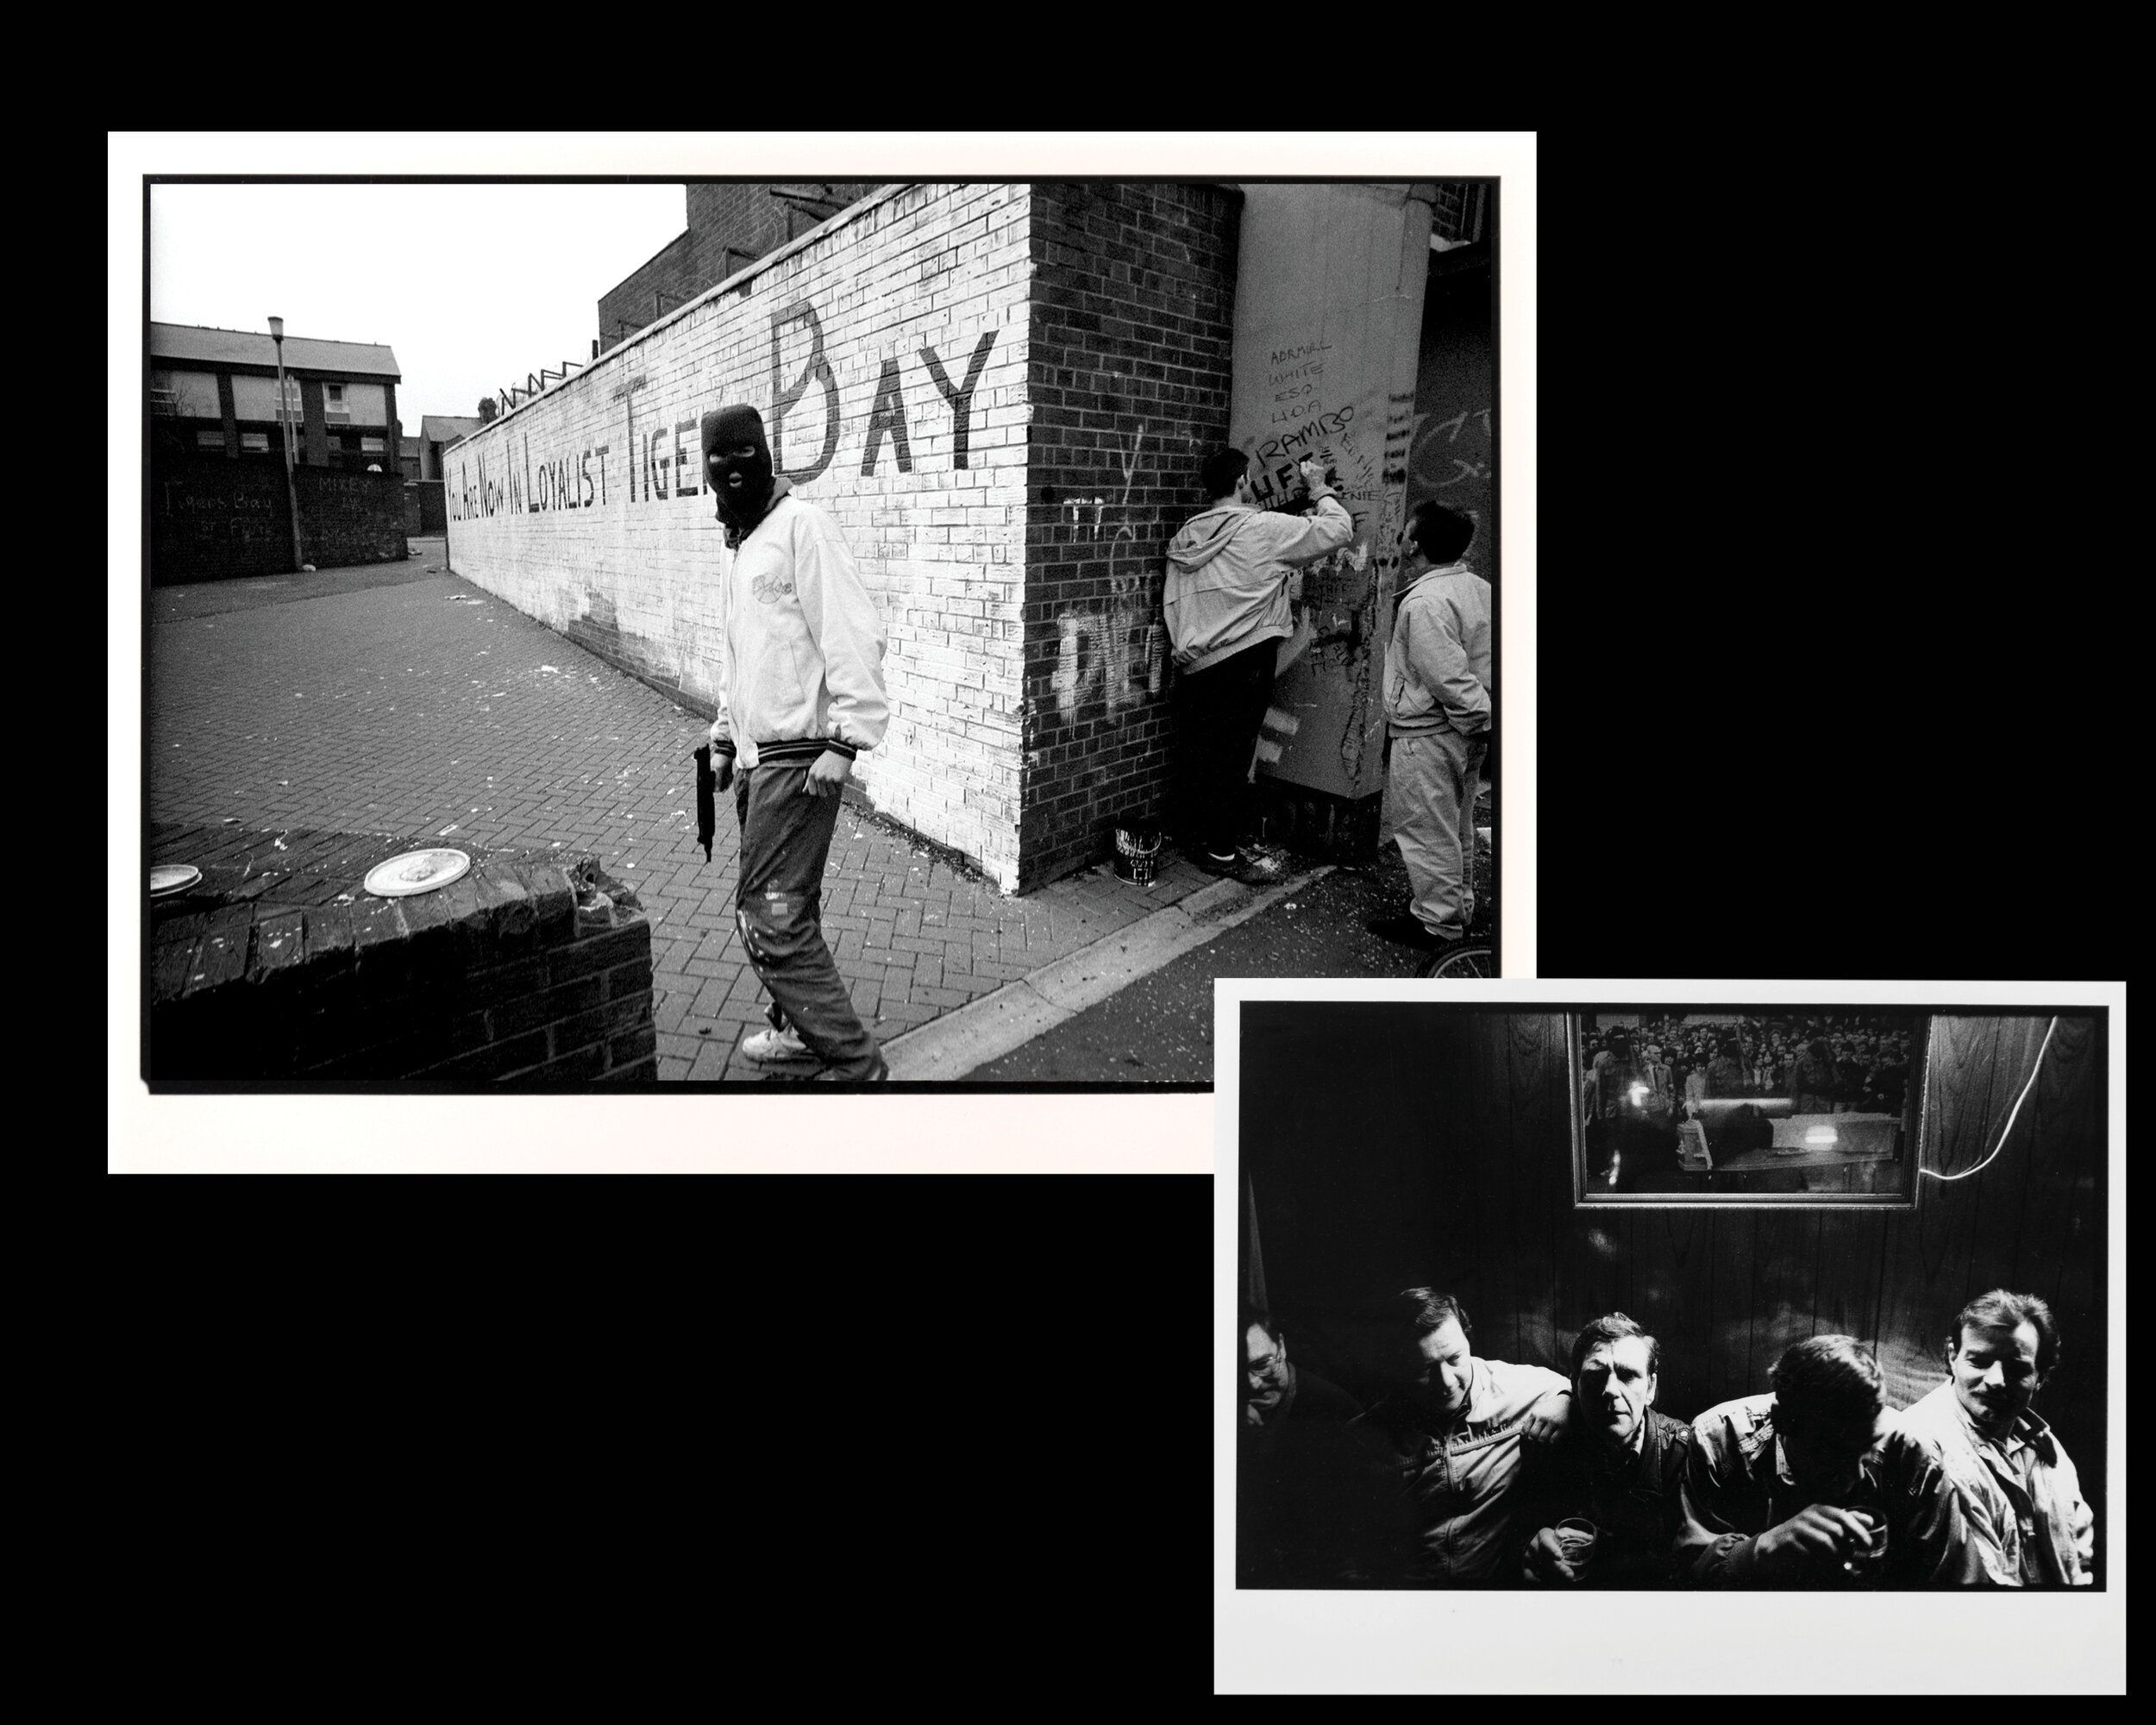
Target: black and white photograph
(677, 629)
(1706, 1291)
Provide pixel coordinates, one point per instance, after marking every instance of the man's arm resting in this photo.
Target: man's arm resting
(1548, 1416)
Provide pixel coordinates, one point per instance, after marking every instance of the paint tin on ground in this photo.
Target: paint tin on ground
(1136, 853)
(172, 877)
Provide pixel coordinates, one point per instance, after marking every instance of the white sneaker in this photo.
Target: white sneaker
(776, 1045)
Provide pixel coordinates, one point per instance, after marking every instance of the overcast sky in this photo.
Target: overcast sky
(473, 287)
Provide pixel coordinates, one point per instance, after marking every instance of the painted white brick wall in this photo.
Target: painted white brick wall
(592, 517)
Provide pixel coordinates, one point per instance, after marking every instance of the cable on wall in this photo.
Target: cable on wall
(2011, 1113)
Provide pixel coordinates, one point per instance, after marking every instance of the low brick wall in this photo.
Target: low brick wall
(212, 519)
(279, 964)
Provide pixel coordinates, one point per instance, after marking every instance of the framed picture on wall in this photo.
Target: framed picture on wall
(1772, 1106)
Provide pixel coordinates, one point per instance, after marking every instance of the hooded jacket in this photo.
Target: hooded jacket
(1227, 587)
(802, 669)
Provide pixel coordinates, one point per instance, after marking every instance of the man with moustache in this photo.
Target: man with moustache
(1624, 1463)
(1816, 1485)
(800, 695)
(1317, 1504)
(1278, 1392)
(2029, 1522)
(1468, 1438)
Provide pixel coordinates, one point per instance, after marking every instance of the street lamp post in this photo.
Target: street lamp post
(284, 435)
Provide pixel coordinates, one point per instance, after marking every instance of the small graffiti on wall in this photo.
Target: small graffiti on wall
(1440, 461)
(1113, 652)
(657, 455)
(1341, 597)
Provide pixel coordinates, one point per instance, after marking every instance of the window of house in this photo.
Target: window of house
(185, 395)
(334, 405)
(370, 446)
(1745, 1105)
(209, 439)
(255, 441)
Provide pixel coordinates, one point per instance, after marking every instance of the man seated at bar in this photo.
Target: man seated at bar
(1469, 1437)
(1816, 1485)
(2027, 1516)
(1318, 1504)
(1624, 1460)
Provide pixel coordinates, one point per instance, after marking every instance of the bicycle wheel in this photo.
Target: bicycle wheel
(1472, 960)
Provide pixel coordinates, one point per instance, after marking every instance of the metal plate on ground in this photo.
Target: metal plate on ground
(416, 871)
(172, 877)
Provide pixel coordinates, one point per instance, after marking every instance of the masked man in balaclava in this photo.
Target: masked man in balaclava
(800, 693)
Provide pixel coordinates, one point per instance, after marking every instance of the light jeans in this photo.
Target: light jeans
(1432, 785)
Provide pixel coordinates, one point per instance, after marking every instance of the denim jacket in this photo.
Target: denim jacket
(2047, 1512)
(1737, 1485)
(1469, 1487)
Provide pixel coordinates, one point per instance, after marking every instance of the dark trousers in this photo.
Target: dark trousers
(786, 835)
(1223, 707)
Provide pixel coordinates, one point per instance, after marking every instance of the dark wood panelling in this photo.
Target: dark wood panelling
(1391, 1143)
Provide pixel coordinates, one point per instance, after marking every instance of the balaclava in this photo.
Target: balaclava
(726, 430)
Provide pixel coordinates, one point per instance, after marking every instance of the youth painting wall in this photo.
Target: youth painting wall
(1389, 1145)
(1002, 393)
(1329, 311)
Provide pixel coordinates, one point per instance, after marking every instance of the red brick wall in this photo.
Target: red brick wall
(279, 965)
(1132, 319)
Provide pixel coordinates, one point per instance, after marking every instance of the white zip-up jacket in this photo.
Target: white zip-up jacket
(803, 666)
(1436, 664)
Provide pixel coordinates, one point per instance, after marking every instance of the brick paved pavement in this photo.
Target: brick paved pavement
(395, 701)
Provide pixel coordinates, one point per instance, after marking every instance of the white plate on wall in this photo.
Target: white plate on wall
(416, 871)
